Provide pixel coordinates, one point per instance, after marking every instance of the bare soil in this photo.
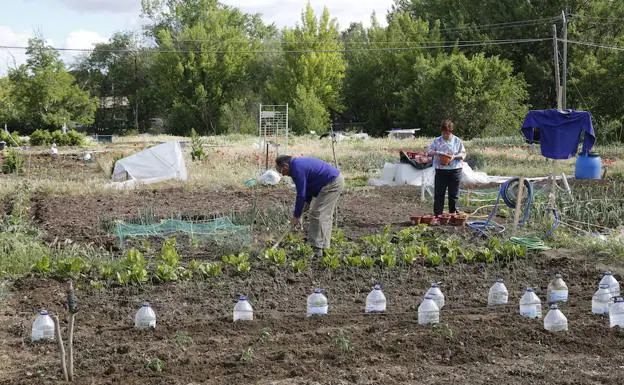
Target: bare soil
(198, 343)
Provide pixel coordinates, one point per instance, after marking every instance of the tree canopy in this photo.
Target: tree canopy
(205, 65)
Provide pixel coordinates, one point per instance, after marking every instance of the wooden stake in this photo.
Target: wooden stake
(518, 204)
(70, 346)
(59, 340)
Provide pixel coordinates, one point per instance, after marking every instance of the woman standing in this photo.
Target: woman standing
(448, 154)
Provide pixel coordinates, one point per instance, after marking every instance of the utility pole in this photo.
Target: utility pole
(564, 78)
(136, 92)
(556, 57)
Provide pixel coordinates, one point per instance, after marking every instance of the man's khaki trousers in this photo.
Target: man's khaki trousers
(321, 213)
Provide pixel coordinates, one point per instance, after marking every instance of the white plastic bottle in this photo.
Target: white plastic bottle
(530, 304)
(436, 294)
(555, 321)
(428, 311)
(601, 300)
(557, 290)
(498, 294)
(375, 301)
(614, 285)
(43, 327)
(243, 310)
(317, 303)
(616, 313)
(145, 317)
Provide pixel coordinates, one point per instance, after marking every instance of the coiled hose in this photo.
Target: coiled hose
(506, 192)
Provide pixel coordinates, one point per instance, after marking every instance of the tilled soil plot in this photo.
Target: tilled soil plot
(83, 218)
(198, 343)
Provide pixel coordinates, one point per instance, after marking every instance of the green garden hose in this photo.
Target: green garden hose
(530, 243)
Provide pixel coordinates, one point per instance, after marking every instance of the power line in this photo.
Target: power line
(448, 44)
(592, 44)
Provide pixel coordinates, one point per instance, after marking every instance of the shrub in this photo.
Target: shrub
(13, 161)
(40, 138)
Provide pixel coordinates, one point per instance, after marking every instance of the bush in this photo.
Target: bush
(13, 161)
(12, 139)
(40, 138)
(46, 138)
(75, 138)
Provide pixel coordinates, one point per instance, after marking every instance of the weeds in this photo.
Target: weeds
(247, 355)
(342, 342)
(156, 365)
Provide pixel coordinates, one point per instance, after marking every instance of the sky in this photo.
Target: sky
(79, 24)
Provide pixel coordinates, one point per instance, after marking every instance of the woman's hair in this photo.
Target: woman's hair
(447, 125)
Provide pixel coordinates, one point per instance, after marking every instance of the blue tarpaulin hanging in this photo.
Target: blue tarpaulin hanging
(560, 131)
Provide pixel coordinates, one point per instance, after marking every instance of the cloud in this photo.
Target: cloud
(12, 57)
(112, 6)
(80, 40)
(288, 12)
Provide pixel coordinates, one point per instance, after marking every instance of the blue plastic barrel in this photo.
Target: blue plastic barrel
(588, 166)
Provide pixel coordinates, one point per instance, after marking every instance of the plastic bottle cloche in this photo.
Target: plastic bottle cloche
(42, 327)
(242, 310)
(375, 301)
(317, 303)
(145, 317)
(498, 294)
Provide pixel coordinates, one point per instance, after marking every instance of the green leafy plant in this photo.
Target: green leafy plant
(353, 260)
(388, 260)
(197, 147)
(247, 355)
(70, 267)
(265, 335)
(341, 340)
(299, 265)
(410, 254)
(276, 256)
(182, 339)
(156, 365)
(368, 261)
(330, 259)
(43, 265)
(433, 258)
(13, 161)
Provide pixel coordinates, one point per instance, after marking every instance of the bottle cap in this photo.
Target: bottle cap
(145, 304)
(242, 298)
(377, 287)
(43, 312)
(554, 306)
(608, 272)
(619, 299)
(530, 289)
(557, 275)
(318, 290)
(434, 284)
(500, 280)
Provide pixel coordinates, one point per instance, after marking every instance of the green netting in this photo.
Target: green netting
(221, 230)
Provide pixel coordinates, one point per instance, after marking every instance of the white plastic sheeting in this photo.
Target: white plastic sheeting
(155, 164)
(269, 178)
(401, 174)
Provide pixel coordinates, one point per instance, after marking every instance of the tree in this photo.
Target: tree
(209, 48)
(380, 69)
(44, 93)
(313, 62)
(309, 113)
(480, 94)
(7, 106)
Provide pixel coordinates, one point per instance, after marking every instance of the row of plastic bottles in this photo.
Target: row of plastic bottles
(606, 300)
